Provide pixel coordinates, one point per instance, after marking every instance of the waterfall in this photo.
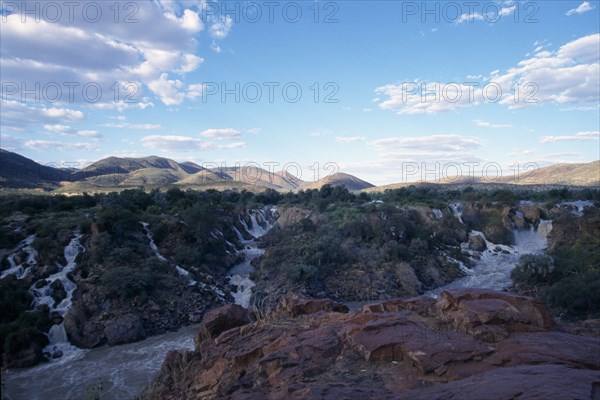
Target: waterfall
(57, 334)
(20, 271)
(457, 210)
(494, 265)
(59, 346)
(239, 275)
(437, 213)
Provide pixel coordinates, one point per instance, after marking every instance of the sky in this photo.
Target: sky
(390, 91)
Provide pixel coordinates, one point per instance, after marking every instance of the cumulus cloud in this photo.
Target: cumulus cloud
(569, 75)
(221, 26)
(18, 116)
(582, 8)
(578, 137)
(158, 39)
(221, 133)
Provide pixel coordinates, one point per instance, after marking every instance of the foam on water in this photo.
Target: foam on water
(20, 271)
(239, 275)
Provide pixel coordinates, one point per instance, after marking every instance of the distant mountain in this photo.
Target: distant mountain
(113, 173)
(116, 165)
(584, 174)
(340, 179)
(17, 171)
(587, 174)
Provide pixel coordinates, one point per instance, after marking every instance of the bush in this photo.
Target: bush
(532, 271)
(300, 272)
(577, 295)
(125, 282)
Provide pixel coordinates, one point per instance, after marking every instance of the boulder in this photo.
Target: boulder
(296, 305)
(82, 332)
(477, 243)
(223, 318)
(126, 329)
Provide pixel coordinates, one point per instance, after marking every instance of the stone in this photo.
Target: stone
(296, 305)
(223, 318)
(126, 329)
(477, 243)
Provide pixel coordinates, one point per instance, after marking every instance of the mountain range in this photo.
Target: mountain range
(114, 173)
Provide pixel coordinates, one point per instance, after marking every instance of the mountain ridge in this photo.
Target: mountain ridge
(17, 171)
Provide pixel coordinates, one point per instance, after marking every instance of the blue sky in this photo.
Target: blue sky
(368, 61)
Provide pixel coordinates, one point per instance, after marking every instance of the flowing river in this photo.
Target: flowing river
(120, 371)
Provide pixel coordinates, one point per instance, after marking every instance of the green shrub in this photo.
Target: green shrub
(126, 282)
(532, 271)
(576, 295)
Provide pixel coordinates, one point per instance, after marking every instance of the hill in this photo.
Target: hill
(17, 171)
(339, 179)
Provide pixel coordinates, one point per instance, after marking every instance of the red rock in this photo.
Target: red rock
(527, 382)
(295, 306)
(222, 319)
(415, 349)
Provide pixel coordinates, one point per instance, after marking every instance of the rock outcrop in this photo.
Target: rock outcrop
(469, 344)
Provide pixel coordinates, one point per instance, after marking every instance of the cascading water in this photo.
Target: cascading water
(457, 210)
(57, 336)
(239, 275)
(494, 265)
(21, 270)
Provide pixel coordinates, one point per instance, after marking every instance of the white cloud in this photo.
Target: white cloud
(145, 127)
(485, 124)
(366, 110)
(168, 90)
(67, 130)
(47, 145)
(254, 130)
(432, 143)
(162, 39)
(175, 143)
(234, 145)
(221, 133)
(348, 139)
(569, 75)
(582, 8)
(578, 137)
(221, 26)
(19, 116)
(215, 47)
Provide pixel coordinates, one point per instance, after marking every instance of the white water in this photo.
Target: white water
(20, 271)
(457, 210)
(124, 370)
(437, 213)
(579, 206)
(239, 275)
(492, 270)
(57, 336)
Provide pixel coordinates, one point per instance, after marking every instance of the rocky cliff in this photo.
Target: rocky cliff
(469, 344)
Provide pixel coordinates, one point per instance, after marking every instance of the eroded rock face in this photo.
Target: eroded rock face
(469, 344)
